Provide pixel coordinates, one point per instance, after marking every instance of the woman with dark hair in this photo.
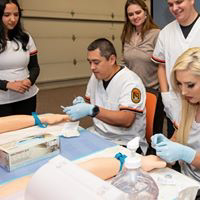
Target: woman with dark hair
(138, 38)
(19, 67)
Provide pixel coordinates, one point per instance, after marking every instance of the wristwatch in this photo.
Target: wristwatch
(95, 111)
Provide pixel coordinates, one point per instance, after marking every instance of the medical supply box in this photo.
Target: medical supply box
(26, 150)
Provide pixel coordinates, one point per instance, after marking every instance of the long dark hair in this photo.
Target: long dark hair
(16, 34)
(129, 28)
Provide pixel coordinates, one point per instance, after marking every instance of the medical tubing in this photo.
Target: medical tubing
(37, 121)
(121, 157)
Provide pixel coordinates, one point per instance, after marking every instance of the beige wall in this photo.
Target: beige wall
(62, 32)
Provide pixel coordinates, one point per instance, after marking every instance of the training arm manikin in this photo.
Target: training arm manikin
(15, 122)
(106, 168)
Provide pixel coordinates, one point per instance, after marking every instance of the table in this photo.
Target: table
(176, 183)
(72, 148)
(82, 148)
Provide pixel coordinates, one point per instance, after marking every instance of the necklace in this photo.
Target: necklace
(135, 38)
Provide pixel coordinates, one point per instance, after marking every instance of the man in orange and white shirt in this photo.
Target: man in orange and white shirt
(116, 97)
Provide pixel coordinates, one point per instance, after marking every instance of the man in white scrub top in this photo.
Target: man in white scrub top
(116, 98)
(173, 40)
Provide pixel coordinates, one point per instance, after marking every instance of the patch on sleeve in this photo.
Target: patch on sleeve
(136, 95)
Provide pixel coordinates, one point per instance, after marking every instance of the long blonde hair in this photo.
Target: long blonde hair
(189, 60)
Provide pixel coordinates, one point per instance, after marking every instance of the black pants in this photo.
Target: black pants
(170, 128)
(158, 122)
(159, 116)
(25, 107)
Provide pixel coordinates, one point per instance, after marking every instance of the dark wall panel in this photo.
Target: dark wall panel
(161, 14)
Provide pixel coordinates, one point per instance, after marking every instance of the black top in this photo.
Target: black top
(106, 83)
(186, 29)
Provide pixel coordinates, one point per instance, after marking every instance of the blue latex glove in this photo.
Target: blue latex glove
(79, 110)
(157, 139)
(172, 151)
(77, 100)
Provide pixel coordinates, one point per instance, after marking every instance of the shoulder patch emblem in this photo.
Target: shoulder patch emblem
(136, 95)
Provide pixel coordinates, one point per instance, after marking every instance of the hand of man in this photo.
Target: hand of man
(77, 100)
(172, 151)
(79, 111)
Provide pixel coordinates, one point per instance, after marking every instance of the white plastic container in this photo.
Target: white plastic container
(132, 180)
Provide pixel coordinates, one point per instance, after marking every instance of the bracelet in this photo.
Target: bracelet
(37, 121)
(121, 157)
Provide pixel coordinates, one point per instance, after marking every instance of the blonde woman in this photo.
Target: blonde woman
(185, 80)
